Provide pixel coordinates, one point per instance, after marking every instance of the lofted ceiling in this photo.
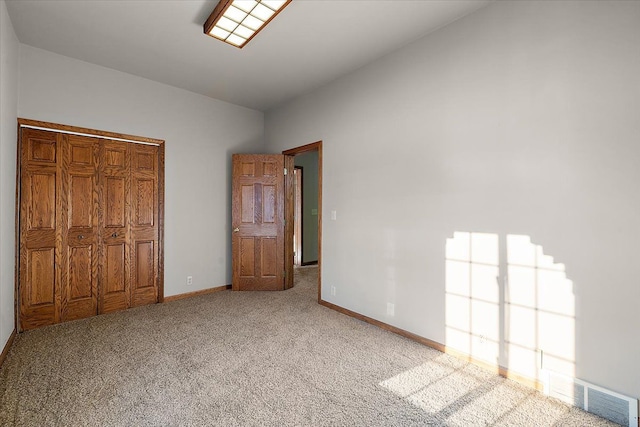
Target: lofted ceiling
(310, 43)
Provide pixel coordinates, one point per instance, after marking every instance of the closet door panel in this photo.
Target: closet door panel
(40, 145)
(115, 201)
(116, 156)
(39, 297)
(144, 203)
(114, 266)
(40, 271)
(81, 152)
(145, 264)
(81, 279)
(81, 291)
(80, 209)
(115, 280)
(114, 225)
(144, 259)
(38, 302)
(41, 199)
(81, 206)
(144, 225)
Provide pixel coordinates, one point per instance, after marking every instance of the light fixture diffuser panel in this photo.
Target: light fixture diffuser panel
(274, 4)
(262, 12)
(243, 31)
(219, 33)
(236, 22)
(235, 14)
(246, 5)
(253, 22)
(236, 40)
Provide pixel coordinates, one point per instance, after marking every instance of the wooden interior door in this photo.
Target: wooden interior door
(80, 239)
(144, 224)
(115, 268)
(258, 221)
(39, 277)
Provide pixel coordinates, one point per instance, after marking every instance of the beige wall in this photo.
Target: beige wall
(200, 133)
(9, 51)
(520, 119)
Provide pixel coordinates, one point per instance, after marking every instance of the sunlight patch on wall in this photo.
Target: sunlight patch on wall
(472, 295)
(524, 323)
(540, 311)
(509, 305)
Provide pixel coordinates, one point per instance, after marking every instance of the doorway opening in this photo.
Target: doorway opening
(298, 188)
(307, 229)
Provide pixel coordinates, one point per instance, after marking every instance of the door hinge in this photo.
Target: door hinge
(285, 171)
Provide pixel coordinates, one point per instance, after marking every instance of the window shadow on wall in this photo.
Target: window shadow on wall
(472, 322)
(509, 305)
(510, 308)
(540, 311)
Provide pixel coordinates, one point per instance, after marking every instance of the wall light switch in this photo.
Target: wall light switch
(334, 215)
(314, 211)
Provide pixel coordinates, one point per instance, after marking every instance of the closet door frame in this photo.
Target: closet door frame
(67, 129)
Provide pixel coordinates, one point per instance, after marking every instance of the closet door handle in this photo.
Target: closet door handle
(80, 237)
(114, 235)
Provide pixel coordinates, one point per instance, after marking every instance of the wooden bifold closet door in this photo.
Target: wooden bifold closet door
(89, 213)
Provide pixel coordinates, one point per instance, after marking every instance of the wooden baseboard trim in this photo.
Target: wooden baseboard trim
(309, 263)
(7, 347)
(197, 293)
(502, 371)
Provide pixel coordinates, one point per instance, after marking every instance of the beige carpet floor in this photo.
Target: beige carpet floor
(263, 359)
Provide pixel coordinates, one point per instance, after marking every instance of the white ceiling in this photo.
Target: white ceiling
(310, 43)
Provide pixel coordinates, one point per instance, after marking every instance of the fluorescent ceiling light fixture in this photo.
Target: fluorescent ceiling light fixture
(237, 21)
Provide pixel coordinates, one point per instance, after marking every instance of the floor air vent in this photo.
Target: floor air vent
(597, 400)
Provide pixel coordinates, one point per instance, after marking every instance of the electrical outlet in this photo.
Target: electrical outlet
(189, 280)
(391, 309)
(333, 290)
